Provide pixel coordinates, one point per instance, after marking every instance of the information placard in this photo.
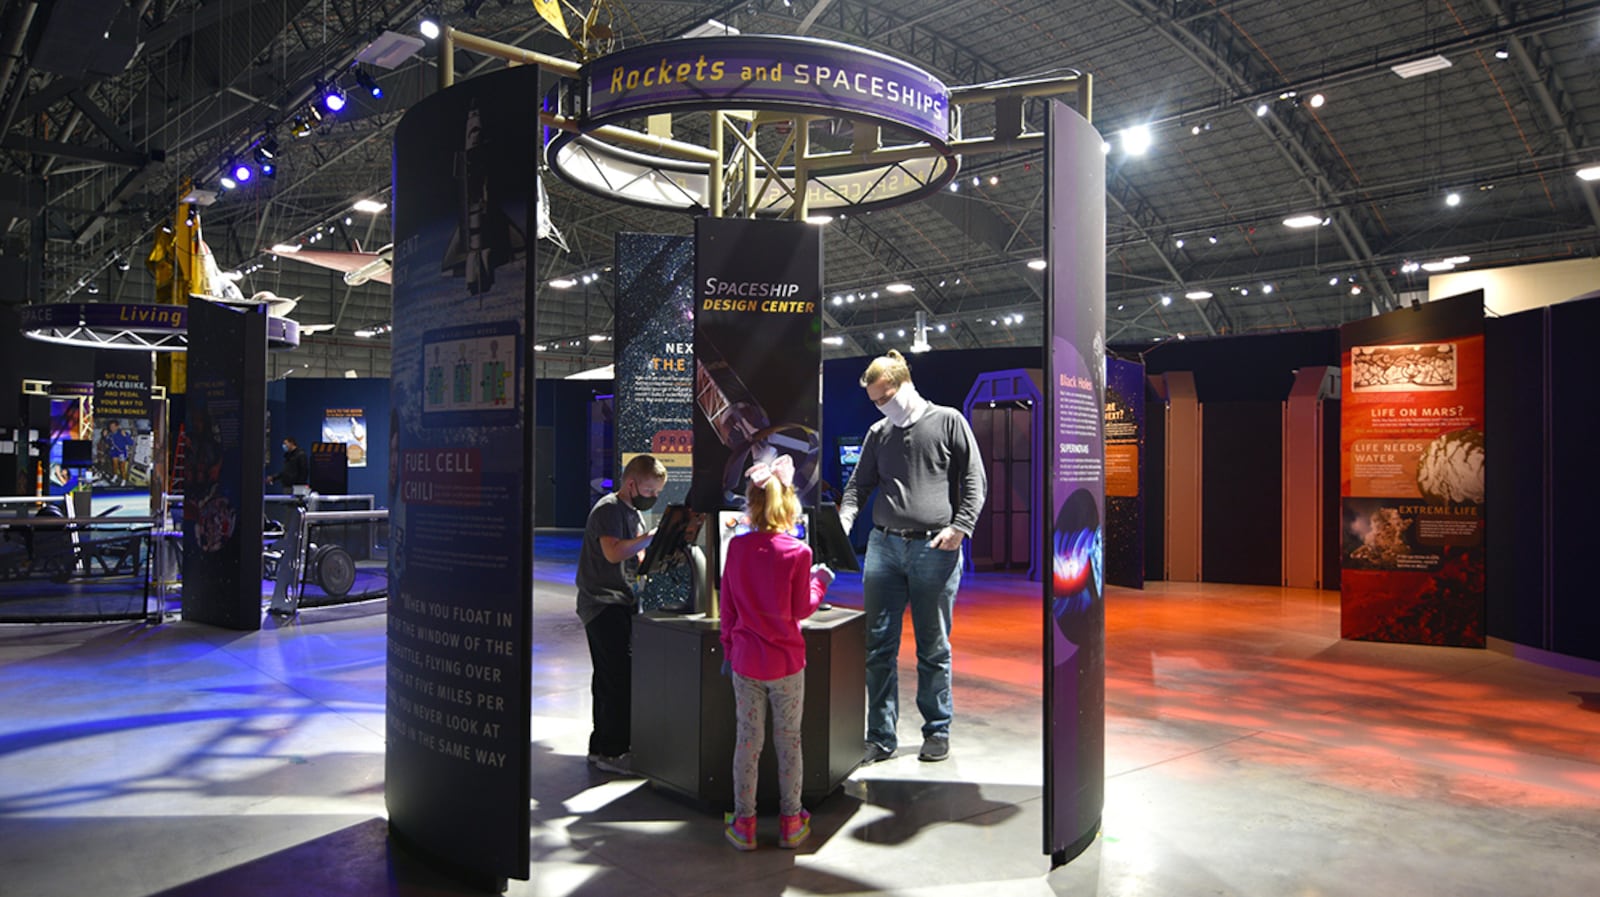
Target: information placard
(1412, 475)
(1075, 390)
(460, 479)
(758, 355)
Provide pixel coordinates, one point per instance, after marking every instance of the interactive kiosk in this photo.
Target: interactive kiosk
(683, 714)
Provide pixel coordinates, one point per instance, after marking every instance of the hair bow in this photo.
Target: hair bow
(782, 468)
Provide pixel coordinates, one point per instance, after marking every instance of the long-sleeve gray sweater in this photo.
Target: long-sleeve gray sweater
(929, 475)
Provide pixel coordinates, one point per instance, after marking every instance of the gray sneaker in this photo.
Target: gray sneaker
(876, 753)
(934, 748)
(621, 764)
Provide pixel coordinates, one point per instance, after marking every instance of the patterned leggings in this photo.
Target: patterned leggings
(750, 698)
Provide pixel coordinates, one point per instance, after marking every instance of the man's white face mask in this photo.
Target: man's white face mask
(899, 407)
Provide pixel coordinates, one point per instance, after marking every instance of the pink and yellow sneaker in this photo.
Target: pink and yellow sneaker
(740, 831)
(792, 830)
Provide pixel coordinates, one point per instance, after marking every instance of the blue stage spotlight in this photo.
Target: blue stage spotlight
(367, 84)
(333, 98)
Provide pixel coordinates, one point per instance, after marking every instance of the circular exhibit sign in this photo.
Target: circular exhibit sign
(139, 327)
(794, 74)
(809, 78)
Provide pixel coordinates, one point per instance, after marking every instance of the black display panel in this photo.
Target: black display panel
(461, 506)
(224, 456)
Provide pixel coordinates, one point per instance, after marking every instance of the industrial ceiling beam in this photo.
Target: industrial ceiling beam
(1235, 67)
(1544, 82)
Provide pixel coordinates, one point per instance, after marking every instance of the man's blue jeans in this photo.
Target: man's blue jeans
(898, 572)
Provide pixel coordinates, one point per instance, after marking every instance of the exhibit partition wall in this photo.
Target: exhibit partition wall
(1075, 387)
(1124, 441)
(1412, 475)
(223, 456)
(461, 557)
(758, 355)
(1541, 488)
(654, 358)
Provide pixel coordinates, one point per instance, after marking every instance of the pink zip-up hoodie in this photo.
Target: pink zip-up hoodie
(767, 589)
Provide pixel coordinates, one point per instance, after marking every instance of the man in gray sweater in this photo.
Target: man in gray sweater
(923, 461)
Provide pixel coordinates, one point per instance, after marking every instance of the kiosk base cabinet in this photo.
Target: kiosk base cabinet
(683, 717)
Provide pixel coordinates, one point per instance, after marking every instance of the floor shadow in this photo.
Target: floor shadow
(357, 861)
(916, 804)
(1588, 700)
(677, 846)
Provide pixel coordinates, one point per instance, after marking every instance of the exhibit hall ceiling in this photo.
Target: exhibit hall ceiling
(1402, 138)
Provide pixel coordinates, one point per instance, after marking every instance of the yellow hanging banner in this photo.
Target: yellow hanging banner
(550, 11)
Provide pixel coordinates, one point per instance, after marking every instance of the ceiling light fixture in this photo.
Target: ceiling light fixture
(367, 83)
(1592, 173)
(429, 29)
(1038, 264)
(1317, 100)
(563, 283)
(1303, 220)
(1193, 296)
(371, 206)
(1262, 110)
(900, 288)
(389, 49)
(1136, 141)
(1166, 300)
(1503, 53)
(1421, 66)
(333, 98)
(833, 340)
(1452, 199)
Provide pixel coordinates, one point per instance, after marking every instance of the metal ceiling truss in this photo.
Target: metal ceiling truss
(894, 263)
(1236, 67)
(1546, 86)
(1156, 237)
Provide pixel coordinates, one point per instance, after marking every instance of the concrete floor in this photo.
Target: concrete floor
(1250, 752)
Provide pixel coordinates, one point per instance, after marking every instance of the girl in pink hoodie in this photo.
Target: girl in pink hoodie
(768, 587)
